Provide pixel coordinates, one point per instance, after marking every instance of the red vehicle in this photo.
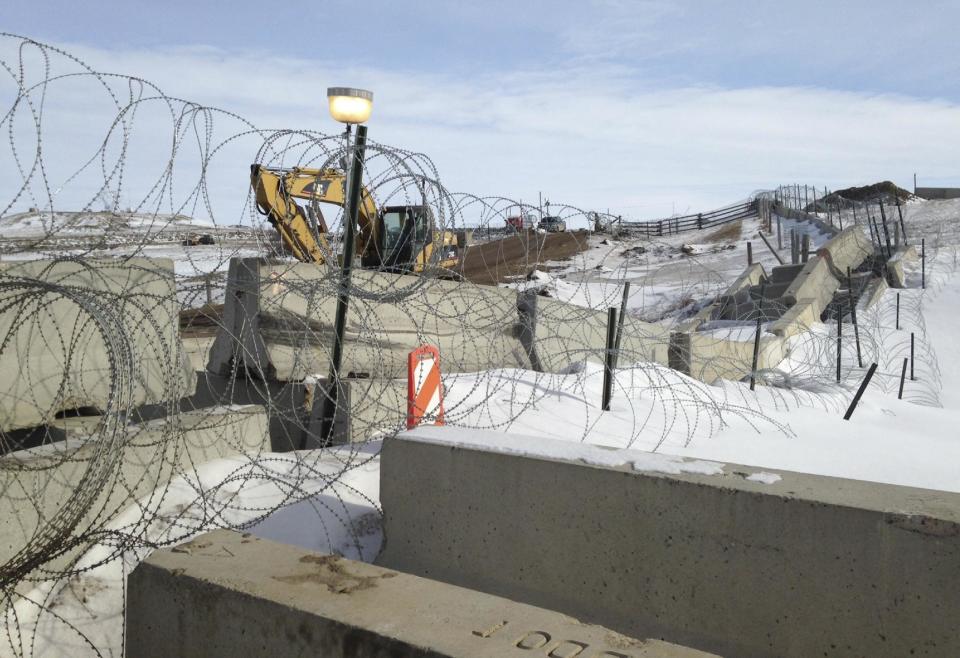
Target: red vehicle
(522, 222)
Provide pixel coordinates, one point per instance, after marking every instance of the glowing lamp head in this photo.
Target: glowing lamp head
(349, 105)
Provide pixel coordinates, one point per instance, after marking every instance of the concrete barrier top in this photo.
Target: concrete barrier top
(901, 501)
(227, 594)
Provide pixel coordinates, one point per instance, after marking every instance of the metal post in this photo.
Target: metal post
(805, 253)
(853, 316)
(609, 356)
(839, 216)
(749, 253)
(886, 233)
(923, 263)
(839, 339)
(350, 215)
(863, 387)
(756, 339)
(779, 234)
(620, 321)
(903, 227)
(903, 376)
(897, 326)
(770, 247)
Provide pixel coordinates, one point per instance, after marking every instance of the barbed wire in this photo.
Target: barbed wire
(124, 426)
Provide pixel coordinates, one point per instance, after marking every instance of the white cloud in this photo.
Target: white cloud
(592, 136)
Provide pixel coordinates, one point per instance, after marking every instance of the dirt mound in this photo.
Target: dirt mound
(885, 191)
(494, 262)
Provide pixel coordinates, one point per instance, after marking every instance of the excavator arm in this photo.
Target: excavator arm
(276, 191)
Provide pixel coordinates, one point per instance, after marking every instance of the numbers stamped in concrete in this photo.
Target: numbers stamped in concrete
(543, 643)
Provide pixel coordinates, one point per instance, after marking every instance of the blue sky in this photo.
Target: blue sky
(645, 106)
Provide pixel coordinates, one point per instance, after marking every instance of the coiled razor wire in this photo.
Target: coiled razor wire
(107, 322)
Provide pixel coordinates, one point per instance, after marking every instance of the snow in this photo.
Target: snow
(764, 477)
(321, 505)
(660, 421)
(551, 448)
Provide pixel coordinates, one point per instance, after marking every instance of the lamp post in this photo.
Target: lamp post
(349, 106)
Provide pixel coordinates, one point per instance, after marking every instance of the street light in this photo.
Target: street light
(350, 106)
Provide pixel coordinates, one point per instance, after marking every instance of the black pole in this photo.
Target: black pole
(903, 376)
(620, 321)
(912, 378)
(609, 356)
(343, 289)
(886, 232)
(779, 235)
(839, 340)
(903, 227)
(839, 216)
(853, 316)
(770, 246)
(863, 387)
(923, 263)
(749, 253)
(898, 312)
(756, 339)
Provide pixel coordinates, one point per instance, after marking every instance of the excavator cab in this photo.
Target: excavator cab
(403, 237)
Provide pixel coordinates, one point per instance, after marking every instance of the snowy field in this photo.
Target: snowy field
(792, 423)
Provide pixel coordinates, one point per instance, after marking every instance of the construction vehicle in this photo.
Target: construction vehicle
(401, 238)
(195, 239)
(522, 221)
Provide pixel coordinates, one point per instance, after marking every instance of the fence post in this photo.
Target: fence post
(903, 227)
(863, 387)
(853, 316)
(756, 339)
(886, 232)
(897, 326)
(805, 254)
(608, 357)
(779, 234)
(923, 263)
(903, 376)
(620, 321)
(749, 254)
(839, 340)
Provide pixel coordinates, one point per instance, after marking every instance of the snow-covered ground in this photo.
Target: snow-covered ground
(671, 276)
(794, 422)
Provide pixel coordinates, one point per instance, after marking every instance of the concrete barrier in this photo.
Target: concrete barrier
(128, 462)
(282, 322)
(556, 334)
(225, 594)
(798, 319)
(847, 249)
(100, 333)
(707, 555)
(896, 275)
(712, 356)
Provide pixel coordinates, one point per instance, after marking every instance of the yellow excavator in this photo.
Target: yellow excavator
(394, 239)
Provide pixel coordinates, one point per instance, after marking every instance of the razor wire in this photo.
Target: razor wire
(110, 315)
